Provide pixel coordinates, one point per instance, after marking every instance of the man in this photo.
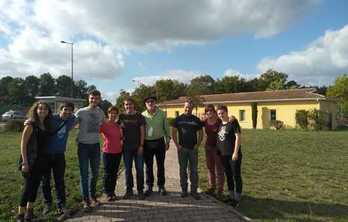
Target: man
(156, 144)
(133, 126)
(89, 118)
(189, 129)
(61, 123)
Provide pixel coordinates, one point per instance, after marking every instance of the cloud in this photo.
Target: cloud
(320, 63)
(232, 72)
(183, 76)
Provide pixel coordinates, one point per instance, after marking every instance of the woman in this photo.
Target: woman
(33, 157)
(112, 152)
(228, 144)
(213, 160)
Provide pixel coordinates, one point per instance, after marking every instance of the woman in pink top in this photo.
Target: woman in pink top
(214, 164)
(112, 151)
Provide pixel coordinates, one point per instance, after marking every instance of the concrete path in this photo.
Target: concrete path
(158, 208)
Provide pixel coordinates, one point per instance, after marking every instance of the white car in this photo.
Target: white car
(12, 114)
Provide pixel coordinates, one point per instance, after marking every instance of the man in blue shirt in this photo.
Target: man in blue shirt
(61, 123)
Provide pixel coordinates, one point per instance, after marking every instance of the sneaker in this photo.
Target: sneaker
(62, 213)
(234, 203)
(95, 202)
(184, 194)
(109, 198)
(47, 208)
(162, 191)
(86, 206)
(148, 192)
(195, 195)
(20, 218)
(141, 195)
(128, 195)
(29, 215)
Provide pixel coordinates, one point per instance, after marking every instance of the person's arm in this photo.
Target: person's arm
(199, 138)
(28, 130)
(121, 137)
(175, 138)
(236, 146)
(166, 131)
(142, 137)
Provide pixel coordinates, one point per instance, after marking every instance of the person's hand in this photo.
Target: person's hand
(178, 147)
(25, 167)
(28, 122)
(140, 150)
(235, 156)
(167, 146)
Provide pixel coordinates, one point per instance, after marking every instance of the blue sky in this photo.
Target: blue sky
(121, 44)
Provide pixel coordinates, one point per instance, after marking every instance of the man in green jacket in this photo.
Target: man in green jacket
(156, 144)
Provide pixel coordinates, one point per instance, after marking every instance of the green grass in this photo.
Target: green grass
(293, 175)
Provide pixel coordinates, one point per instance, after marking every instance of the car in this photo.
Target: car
(13, 114)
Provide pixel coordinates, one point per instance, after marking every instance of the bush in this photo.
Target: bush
(277, 124)
(302, 118)
(14, 125)
(318, 120)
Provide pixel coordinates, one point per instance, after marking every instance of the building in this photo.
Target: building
(56, 101)
(280, 105)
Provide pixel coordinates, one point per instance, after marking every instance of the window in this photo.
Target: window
(273, 115)
(241, 115)
(176, 113)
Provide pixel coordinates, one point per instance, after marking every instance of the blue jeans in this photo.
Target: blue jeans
(128, 156)
(89, 155)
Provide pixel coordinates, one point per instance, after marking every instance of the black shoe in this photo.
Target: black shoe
(234, 203)
(148, 192)
(63, 214)
(29, 215)
(128, 195)
(141, 195)
(195, 195)
(20, 218)
(162, 191)
(47, 208)
(184, 194)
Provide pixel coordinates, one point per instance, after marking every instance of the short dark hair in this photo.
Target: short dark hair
(112, 108)
(150, 97)
(189, 100)
(67, 104)
(129, 99)
(94, 92)
(222, 107)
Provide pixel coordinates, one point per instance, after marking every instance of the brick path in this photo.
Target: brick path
(158, 208)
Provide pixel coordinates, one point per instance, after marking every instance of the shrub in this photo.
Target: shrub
(318, 120)
(302, 118)
(277, 124)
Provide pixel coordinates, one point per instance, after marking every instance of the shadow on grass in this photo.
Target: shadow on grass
(267, 209)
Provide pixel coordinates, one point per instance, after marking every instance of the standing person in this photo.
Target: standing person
(133, 126)
(89, 118)
(62, 123)
(156, 144)
(213, 160)
(112, 152)
(189, 130)
(33, 157)
(229, 147)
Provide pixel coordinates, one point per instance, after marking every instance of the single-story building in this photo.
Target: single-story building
(272, 105)
(56, 101)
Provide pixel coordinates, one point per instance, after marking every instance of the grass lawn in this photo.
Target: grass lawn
(293, 175)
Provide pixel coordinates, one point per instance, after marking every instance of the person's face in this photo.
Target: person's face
(65, 112)
(128, 106)
(210, 113)
(188, 107)
(42, 111)
(222, 114)
(150, 104)
(112, 115)
(94, 100)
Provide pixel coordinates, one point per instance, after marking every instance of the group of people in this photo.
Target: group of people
(138, 138)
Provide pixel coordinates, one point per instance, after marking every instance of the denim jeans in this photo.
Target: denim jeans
(128, 156)
(89, 157)
(56, 164)
(111, 165)
(188, 158)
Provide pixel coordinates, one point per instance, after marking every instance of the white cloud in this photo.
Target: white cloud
(183, 76)
(320, 63)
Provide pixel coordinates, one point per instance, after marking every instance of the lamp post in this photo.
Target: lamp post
(72, 65)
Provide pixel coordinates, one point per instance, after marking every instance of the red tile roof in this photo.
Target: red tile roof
(305, 94)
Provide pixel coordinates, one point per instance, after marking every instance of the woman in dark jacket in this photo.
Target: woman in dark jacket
(33, 157)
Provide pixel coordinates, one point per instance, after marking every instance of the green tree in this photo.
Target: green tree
(272, 80)
(47, 85)
(63, 86)
(201, 85)
(228, 84)
(340, 91)
(32, 85)
(140, 93)
(169, 89)
(17, 91)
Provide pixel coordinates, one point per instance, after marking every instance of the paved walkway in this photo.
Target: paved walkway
(158, 208)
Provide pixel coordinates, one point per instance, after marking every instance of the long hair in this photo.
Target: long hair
(32, 114)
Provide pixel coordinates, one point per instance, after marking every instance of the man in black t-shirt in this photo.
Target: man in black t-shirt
(133, 126)
(189, 130)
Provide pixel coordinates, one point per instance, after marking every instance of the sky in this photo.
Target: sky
(121, 44)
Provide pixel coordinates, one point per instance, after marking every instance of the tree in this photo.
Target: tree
(201, 85)
(340, 91)
(140, 93)
(17, 91)
(47, 85)
(104, 105)
(272, 80)
(228, 84)
(123, 95)
(32, 85)
(169, 89)
(63, 86)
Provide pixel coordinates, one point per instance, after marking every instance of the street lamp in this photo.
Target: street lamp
(72, 65)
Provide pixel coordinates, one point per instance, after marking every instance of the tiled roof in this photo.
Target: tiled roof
(304, 94)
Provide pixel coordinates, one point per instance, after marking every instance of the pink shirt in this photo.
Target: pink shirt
(111, 133)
